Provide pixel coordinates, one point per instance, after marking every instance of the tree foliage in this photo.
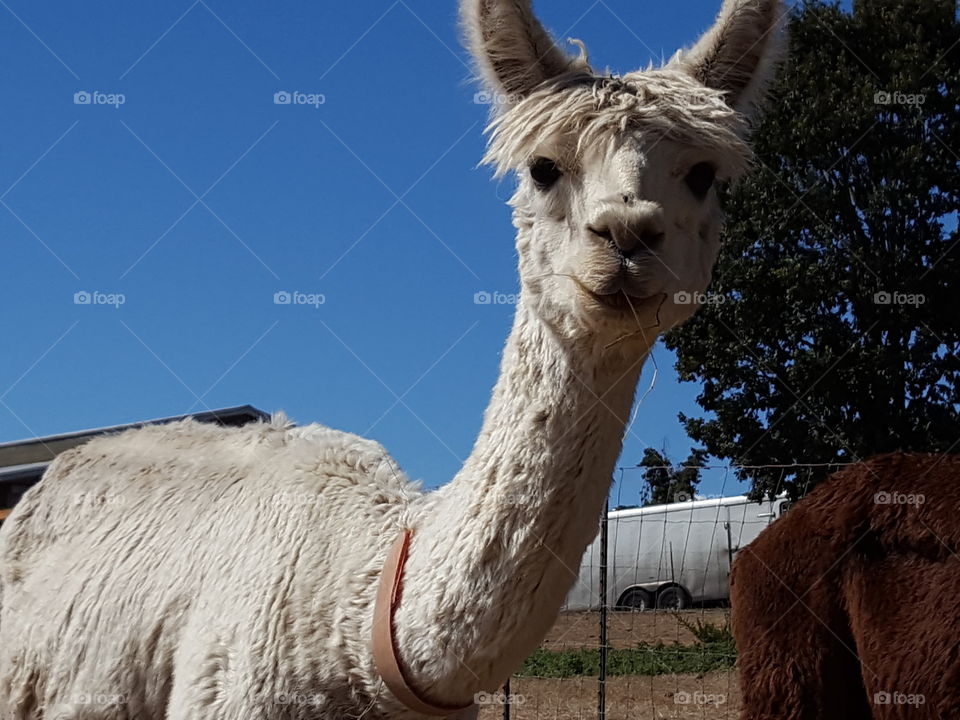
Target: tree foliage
(831, 331)
(667, 483)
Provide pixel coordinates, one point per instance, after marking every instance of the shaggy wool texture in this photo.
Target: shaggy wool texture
(849, 606)
(594, 111)
(183, 563)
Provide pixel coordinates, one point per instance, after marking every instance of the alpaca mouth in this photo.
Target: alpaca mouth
(619, 301)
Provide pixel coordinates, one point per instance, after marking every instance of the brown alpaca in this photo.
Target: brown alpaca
(849, 606)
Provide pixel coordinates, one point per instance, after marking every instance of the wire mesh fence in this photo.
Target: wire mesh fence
(645, 631)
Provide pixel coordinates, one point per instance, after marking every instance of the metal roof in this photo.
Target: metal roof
(20, 474)
(689, 505)
(25, 458)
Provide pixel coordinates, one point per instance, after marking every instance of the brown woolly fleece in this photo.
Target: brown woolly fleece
(849, 606)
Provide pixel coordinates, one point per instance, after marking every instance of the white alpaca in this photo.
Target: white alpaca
(232, 573)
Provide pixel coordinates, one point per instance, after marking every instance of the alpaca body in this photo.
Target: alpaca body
(849, 606)
(144, 522)
(171, 616)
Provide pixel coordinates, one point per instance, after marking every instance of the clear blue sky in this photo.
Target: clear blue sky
(198, 198)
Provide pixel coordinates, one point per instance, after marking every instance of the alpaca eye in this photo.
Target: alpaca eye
(700, 179)
(544, 172)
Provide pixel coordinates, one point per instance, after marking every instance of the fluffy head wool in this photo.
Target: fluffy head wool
(666, 103)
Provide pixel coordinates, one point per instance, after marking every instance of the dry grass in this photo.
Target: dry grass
(713, 696)
(625, 629)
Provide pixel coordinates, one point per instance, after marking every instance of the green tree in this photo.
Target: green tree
(831, 332)
(667, 483)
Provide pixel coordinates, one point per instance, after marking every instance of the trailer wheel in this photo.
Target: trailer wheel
(635, 600)
(673, 597)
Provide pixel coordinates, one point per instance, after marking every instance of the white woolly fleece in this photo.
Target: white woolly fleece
(192, 567)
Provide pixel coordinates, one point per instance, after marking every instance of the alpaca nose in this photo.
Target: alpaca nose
(632, 237)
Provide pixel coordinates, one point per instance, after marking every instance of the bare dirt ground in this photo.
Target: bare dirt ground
(714, 696)
(625, 629)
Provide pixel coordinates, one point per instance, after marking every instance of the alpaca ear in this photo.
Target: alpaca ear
(741, 52)
(513, 52)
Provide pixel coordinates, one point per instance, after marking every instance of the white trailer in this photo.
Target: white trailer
(670, 556)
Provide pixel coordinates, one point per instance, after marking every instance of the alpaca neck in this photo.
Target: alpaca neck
(495, 551)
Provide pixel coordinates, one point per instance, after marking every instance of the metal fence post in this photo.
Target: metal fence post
(506, 700)
(602, 682)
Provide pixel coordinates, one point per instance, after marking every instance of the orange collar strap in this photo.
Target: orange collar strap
(384, 643)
